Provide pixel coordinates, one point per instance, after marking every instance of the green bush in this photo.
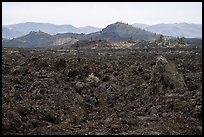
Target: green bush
(181, 41)
(160, 39)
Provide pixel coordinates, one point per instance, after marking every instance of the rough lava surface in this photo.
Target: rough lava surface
(102, 91)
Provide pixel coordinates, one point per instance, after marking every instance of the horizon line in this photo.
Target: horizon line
(97, 26)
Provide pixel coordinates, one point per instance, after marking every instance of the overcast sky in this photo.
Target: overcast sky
(101, 14)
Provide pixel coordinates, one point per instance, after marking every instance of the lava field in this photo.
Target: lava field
(102, 91)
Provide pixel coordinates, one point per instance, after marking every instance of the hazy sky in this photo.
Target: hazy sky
(101, 14)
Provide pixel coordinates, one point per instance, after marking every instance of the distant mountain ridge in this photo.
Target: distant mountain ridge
(176, 29)
(187, 30)
(10, 33)
(17, 30)
(116, 32)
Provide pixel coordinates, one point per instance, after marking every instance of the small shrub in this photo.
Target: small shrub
(92, 78)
